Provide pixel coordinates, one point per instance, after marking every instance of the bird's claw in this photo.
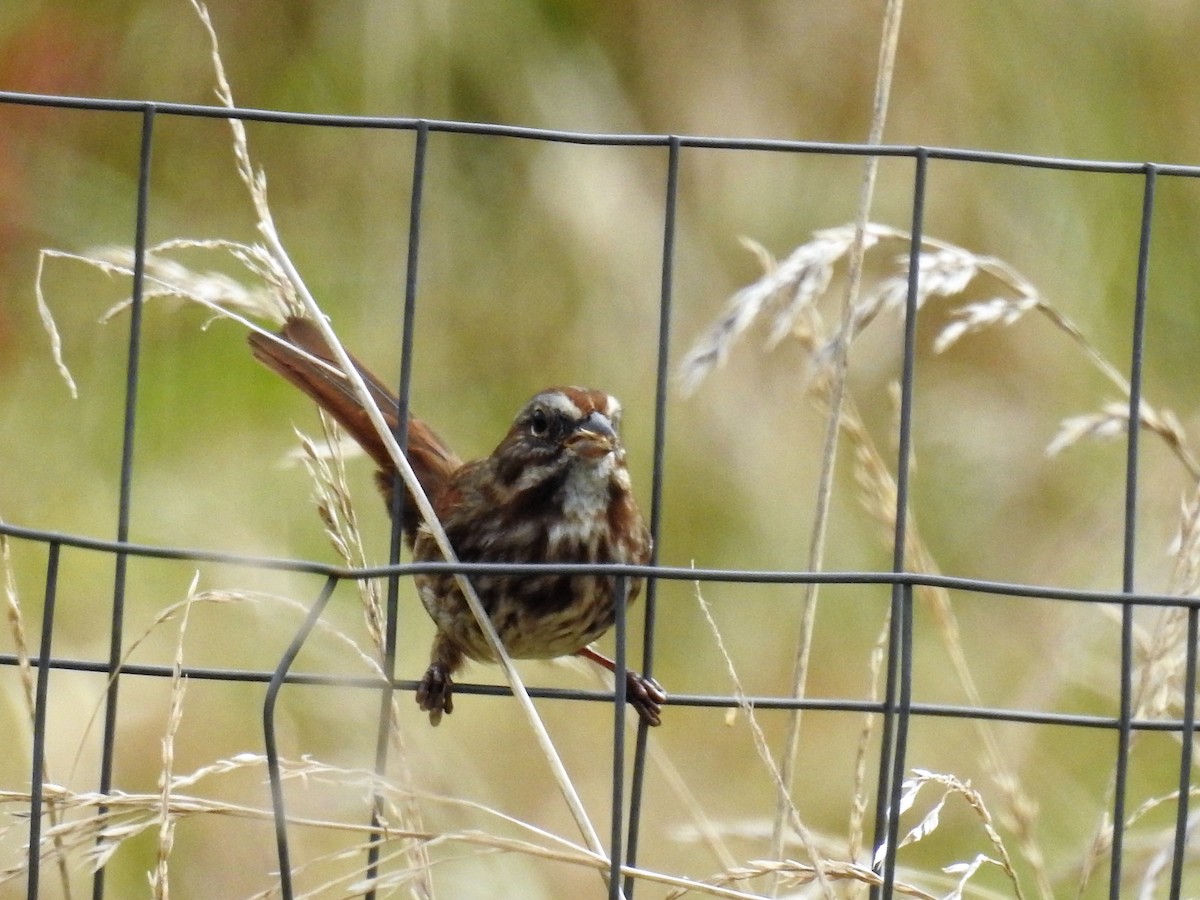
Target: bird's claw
(435, 693)
(646, 696)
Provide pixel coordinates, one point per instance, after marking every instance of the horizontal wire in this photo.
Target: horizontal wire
(721, 701)
(609, 139)
(665, 573)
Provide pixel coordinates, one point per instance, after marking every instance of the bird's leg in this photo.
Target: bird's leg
(435, 692)
(644, 694)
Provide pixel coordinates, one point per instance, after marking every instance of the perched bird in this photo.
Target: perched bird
(555, 490)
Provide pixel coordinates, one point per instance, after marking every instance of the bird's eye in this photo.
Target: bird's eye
(539, 425)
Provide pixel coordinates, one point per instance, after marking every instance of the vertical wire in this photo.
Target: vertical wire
(133, 358)
(637, 777)
(1127, 576)
(38, 774)
(270, 741)
(894, 739)
(1186, 754)
(887, 742)
(620, 684)
(903, 608)
(397, 509)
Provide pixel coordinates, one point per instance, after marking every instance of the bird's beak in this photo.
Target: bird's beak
(593, 438)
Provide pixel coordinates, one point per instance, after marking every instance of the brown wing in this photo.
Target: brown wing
(432, 461)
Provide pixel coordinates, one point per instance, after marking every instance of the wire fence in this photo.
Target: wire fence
(897, 709)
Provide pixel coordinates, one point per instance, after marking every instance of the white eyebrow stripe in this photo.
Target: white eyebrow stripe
(560, 402)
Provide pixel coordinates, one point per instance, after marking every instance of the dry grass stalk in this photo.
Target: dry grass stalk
(889, 41)
(953, 787)
(878, 496)
(166, 277)
(670, 777)
(760, 739)
(1162, 656)
(786, 293)
(93, 837)
(16, 627)
(222, 597)
(1185, 549)
(860, 800)
(945, 271)
(255, 181)
(327, 470)
(1163, 844)
(1162, 649)
(160, 877)
(1097, 852)
(764, 754)
(1112, 422)
(789, 873)
(786, 297)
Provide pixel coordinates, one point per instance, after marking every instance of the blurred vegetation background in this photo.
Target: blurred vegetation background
(540, 264)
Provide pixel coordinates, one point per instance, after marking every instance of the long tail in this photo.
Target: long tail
(292, 356)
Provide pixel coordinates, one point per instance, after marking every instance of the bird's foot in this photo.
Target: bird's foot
(646, 696)
(435, 692)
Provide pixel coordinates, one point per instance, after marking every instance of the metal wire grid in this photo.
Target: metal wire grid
(897, 706)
